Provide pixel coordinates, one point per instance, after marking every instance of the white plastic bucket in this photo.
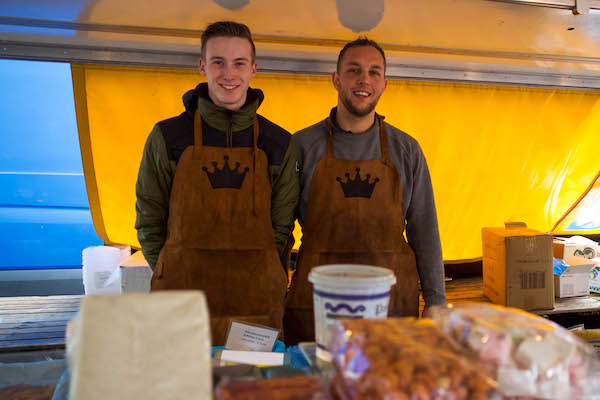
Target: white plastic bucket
(99, 262)
(347, 291)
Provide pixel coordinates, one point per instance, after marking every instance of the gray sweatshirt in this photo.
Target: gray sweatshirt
(418, 206)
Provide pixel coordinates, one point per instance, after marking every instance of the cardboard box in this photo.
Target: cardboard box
(517, 267)
(575, 246)
(595, 276)
(575, 279)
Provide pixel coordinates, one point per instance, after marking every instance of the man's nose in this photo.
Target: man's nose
(228, 72)
(363, 78)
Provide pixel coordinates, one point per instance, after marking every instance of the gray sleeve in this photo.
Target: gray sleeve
(423, 234)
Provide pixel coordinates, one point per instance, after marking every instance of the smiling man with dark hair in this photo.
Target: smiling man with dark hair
(217, 191)
(362, 183)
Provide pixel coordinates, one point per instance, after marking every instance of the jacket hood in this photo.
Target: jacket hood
(219, 117)
(190, 98)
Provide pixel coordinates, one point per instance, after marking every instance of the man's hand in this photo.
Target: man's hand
(427, 313)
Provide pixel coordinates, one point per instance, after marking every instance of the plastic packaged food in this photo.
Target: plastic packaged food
(300, 387)
(529, 356)
(403, 359)
(27, 392)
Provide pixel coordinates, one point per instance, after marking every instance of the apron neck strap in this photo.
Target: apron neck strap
(255, 133)
(254, 150)
(385, 153)
(197, 129)
(330, 141)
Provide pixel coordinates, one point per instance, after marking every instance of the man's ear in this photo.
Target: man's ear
(202, 67)
(335, 79)
(254, 69)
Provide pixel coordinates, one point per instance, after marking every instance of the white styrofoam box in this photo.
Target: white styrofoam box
(133, 275)
(99, 262)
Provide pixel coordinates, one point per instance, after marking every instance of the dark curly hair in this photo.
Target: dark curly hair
(360, 42)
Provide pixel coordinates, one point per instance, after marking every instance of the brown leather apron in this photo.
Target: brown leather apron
(219, 236)
(354, 216)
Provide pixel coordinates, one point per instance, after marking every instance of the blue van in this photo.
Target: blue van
(45, 221)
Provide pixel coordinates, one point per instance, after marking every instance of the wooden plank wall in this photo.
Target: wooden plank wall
(35, 323)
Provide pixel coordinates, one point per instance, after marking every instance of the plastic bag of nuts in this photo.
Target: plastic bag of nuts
(403, 359)
(529, 356)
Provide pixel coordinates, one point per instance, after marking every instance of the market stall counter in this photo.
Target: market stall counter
(38, 324)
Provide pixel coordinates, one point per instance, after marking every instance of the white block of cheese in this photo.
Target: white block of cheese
(142, 346)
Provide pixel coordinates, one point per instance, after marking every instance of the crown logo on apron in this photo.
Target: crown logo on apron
(226, 178)
(357, 187)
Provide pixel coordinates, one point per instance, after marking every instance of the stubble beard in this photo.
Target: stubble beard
(357, 112)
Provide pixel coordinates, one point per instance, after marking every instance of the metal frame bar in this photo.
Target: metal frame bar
(175, 59)
(292, 41)
(558, 4)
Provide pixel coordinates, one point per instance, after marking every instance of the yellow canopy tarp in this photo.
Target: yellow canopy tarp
(495, 153)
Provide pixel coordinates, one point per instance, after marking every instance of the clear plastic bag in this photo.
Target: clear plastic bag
(403, 359)
(529, 356)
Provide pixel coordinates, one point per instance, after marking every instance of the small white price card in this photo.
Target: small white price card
(246, 336)
(261, 358)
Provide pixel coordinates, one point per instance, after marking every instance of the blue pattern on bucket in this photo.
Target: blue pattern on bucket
(359, 308)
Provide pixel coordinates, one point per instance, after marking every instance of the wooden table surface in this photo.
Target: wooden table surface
(36, 323)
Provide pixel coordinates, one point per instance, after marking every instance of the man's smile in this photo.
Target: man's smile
(361, 93)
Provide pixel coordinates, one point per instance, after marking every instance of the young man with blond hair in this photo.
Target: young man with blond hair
(217, 191)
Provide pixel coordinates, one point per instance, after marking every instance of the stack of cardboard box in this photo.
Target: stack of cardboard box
(582, 274)
(517, 267)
